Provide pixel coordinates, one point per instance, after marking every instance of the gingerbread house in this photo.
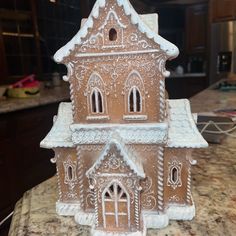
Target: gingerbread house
(122, 150)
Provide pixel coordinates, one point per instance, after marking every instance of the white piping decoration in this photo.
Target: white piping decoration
(189, 197)
(96, 207)
(162, 100)
(170, 49)
(109, 17)
(97, 86)
(136, 208)
(59, 183)
(133, 83)
(80, 169)
(174, 174)
(135, 117)
(160, 179)
(129, 133)
(97, 117)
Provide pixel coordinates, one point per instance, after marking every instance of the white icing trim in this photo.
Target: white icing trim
(170, 49)
(130, 133)
(67, 209)
(178, 212)
(107, 19)
(84, 218)
(129, 158)
(97, 117)
(135, 117)
(102, 54)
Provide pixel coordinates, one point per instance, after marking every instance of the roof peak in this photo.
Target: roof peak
(170, 49)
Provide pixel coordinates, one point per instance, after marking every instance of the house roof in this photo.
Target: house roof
(60, 134)
(170, 49)
(145, 133)
(129, 157)
(182, 132)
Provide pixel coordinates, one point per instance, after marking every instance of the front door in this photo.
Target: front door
(116, 207)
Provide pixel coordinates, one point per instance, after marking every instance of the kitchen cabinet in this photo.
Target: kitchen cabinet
(23, 164)
(222, 10)
(196, 28)
(19, 40)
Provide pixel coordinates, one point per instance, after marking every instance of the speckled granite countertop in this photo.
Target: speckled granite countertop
(47, 96)
(214, 191)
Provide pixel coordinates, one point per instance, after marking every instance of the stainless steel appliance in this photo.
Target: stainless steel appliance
(223, 50)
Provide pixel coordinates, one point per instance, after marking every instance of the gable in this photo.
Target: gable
(115, 159)
(134, 33)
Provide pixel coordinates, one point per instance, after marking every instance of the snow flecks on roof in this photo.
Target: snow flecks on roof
(170, 49)
(130, 159)
(182, 132)
(60, 134)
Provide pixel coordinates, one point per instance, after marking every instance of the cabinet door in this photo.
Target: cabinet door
(196, 28)
(223, 10)
(6, 173)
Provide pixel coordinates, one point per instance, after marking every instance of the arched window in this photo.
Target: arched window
(112, 34)
(116, 207)
(96, 101)
(174, 175)
(70, 173)
(96, 98)
(134, 92)
(134, 100)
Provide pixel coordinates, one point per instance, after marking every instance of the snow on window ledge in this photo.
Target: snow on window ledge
(96, 117)
(135, 117)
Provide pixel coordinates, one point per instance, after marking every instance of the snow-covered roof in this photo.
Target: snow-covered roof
(146, 133)
(182, 132)
(60, 134)
(170, 49)
(129, 157)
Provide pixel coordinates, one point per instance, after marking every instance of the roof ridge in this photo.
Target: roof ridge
(170, 49)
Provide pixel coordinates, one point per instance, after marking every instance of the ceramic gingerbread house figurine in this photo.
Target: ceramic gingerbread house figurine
(122, 150)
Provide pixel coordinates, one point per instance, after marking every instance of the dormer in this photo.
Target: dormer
(112, 30)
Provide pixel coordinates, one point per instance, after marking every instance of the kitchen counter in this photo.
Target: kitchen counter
(47, 96)
(186, 75)
(214, 191)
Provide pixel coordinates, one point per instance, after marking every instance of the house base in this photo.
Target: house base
(67, 209)
(178, 212)
(152, 220)
(84, 218)
(95, 232)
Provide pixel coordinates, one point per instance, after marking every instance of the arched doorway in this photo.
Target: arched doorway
(116, 207)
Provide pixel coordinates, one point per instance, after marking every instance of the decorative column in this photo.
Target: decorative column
(80, 172)
(162, 100)
(136, 208)
(189, 200)
(160, 179)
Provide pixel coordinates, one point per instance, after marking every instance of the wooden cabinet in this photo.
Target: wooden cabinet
(222, 10)
(196, 28)
(19, 40)
(23, 164)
